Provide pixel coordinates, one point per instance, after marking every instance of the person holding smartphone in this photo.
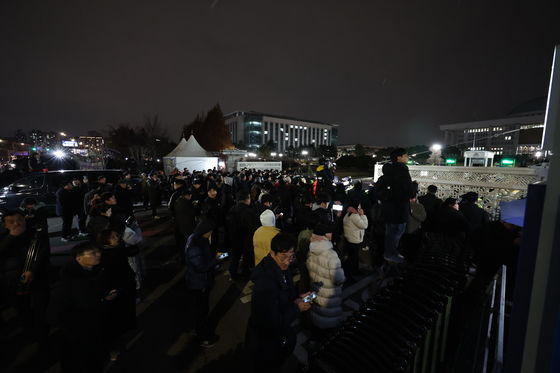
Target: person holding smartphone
(201, 264)
(270, 337)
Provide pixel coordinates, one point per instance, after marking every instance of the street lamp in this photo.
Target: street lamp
(280, 155)
(436, 153)
(436, 147)
(58, 154)
(304, 152)
(62, 134)
(273, 154)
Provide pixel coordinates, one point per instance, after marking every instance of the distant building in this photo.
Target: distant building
(43, 139)
(11, 148)
(93, 144)
(520, 132)
(350, 149)
(254, 129)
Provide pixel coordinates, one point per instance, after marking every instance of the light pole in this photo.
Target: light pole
(436, 153)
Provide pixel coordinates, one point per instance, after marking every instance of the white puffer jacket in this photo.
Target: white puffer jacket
(354, 227)
(324, 266)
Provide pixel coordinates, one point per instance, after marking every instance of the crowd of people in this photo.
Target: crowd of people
(267, 223)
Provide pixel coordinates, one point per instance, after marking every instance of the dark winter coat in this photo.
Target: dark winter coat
(185, 214)
(120, 276)
(68, 202)
(13, 253)
(79, 297)
(241, 223)
(212, 209)
(476, 216)
(154, 190)
(125, 199)
(273, 309)
(431, 204)
(200, 263)
(322, 215)
(396, 205)
(96, 224)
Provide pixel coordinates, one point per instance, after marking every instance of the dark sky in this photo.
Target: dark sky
(389, 72)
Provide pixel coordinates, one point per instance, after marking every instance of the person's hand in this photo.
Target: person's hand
(302, 306)
(26, 277)
(112, 294)
(360, 211)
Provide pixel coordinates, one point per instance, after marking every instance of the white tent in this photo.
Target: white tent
(189, 155)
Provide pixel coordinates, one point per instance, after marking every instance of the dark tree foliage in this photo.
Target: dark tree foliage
(359, 150)
(419, 153)
(327, 151)
(452, 152)
(265, 149)
(148, 140)
(211, 131)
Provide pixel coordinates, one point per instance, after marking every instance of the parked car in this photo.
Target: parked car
(43, 185)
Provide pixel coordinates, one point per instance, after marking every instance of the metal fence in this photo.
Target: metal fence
(493, 184)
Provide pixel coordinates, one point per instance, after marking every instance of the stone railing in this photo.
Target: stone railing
(493, 184)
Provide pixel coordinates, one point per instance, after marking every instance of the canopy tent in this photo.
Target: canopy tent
(190, 155)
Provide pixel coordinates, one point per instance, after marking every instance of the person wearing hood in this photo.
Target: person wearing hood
(263, 235)
(201, 264)
(270, 336)
(324, 267)
(395, 189)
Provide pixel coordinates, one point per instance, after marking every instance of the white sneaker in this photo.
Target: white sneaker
(399, 259)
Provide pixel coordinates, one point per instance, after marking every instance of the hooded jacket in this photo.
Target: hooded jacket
(264, 235)
(324, 266)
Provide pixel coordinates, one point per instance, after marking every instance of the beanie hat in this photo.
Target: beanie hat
(268, 219)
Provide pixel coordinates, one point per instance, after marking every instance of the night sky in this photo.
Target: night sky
(389, 72)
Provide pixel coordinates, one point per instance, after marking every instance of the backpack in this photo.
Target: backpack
(383, 188)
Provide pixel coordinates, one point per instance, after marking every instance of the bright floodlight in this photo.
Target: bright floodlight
(436, 147)
(304, 152)
(59, 154)
(280, 155)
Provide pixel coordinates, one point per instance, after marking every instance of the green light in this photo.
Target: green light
(508, 162)
(34, 149)
(450, 161)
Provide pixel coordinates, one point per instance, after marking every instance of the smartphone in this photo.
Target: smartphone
(223, 256)
(310, 297)
(337, 207)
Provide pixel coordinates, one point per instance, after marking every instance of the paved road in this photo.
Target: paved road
(164, 339)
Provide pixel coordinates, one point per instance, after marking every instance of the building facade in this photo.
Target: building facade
(520, 132)
(252, 129)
